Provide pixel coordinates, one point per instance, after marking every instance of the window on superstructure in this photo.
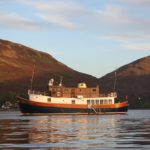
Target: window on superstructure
(66, 90)
(49, 99)
(73, 101)
(88, 101)
(105, 101)
(110, 101)
(94, 90)
(97, 102)
(92, 102)
(101, 101)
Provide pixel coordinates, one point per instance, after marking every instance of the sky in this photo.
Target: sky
(91, 36)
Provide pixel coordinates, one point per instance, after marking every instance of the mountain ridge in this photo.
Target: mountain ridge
(17, 64)
(133, 80)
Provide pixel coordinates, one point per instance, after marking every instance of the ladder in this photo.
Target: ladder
(90, 107)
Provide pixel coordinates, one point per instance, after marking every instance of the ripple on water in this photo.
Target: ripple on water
(75, 131)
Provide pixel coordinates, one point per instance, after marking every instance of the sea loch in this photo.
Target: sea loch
(131, 131)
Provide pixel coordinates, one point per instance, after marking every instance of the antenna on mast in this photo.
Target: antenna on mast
(115, 80)
(32, 77)
(61, 79)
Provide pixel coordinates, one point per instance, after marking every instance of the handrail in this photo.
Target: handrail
(37, 92)
(112, 94)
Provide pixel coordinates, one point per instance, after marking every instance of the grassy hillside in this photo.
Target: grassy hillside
(133, 80)
(17, 64)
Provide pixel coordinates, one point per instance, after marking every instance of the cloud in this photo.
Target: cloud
(136, 42)
(126, 37)
(58, 20)
(16, 21)
(130, 30)
(59, 13)
(75, 15)
(138, 46)
(120, 38)
(121, 18)
(54, 6)
(115, 22)
(113, 15)
(57, 7)
(138, 2)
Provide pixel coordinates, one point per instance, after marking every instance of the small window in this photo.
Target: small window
(110, 101)
(92, 102)
(66, 90)
(73, 101)
(105, 101)
(94, 90)
(101, 101)
(88, 101)
(97, 102)
(49, 99)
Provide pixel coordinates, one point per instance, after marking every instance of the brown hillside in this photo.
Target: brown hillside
(132, 80)
(17, 63)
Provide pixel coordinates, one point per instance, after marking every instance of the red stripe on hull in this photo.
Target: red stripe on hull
(83, 106)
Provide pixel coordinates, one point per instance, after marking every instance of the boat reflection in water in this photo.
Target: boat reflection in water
(71, 129)
(75, 131)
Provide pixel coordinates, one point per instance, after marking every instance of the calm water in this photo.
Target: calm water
(65, 132)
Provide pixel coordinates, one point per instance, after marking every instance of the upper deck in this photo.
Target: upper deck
(80, 91)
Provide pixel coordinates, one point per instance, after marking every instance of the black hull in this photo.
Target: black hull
(31, 109)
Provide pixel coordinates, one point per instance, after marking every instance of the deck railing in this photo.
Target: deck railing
(112, 94)
(37, 92)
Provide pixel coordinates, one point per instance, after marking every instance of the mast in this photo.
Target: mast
(32, 77)
(61, 79)
(115, 80)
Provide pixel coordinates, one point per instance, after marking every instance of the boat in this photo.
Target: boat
(71, 100)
